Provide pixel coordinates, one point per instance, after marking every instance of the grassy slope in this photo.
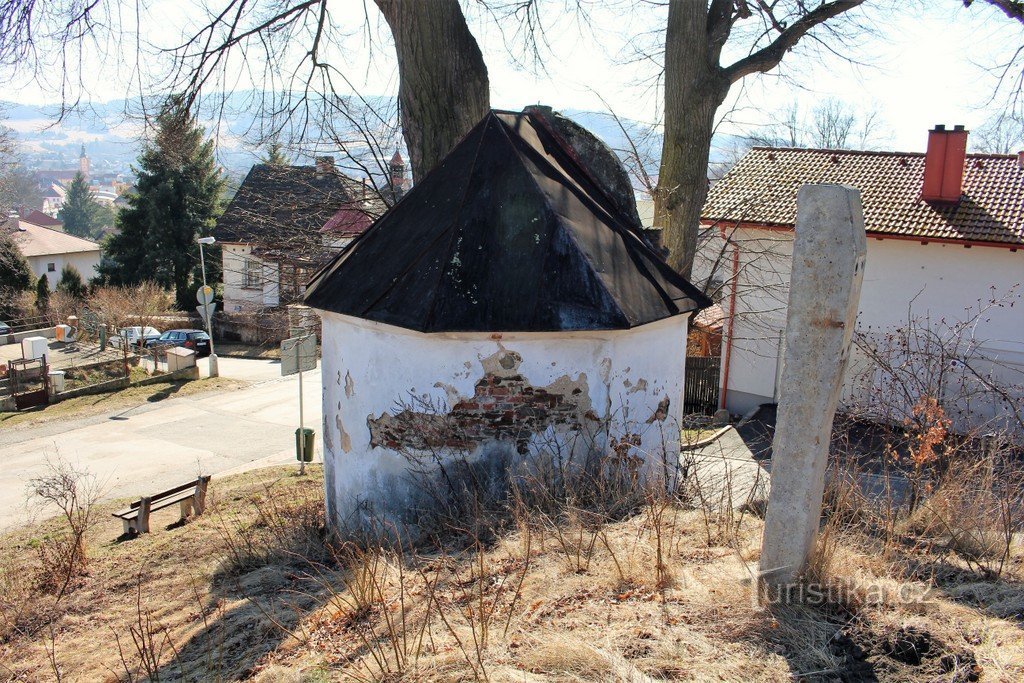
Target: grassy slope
(229, 596)
(95, 404)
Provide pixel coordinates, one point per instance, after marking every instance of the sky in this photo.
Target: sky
(916, 67)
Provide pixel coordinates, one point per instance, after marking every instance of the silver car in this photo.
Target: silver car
(134, 336)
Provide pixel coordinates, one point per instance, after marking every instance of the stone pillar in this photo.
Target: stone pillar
(828, 266)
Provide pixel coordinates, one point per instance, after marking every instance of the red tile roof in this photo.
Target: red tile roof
(348, 221)
(39, 218)
(761, 189)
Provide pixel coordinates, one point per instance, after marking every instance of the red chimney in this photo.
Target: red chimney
(944, 164)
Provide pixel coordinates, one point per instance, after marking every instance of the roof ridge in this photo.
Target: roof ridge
(59, 232)
(875, 152)
(551, 234)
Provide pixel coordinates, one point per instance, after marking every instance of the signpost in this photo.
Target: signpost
(298, 354)
(204, 295)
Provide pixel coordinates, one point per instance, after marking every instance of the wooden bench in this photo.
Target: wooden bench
(191, 497)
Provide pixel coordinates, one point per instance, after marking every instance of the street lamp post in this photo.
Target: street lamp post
(209, 313)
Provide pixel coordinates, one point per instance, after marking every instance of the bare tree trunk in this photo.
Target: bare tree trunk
(694, 88)
(696, 84)
(444, 90)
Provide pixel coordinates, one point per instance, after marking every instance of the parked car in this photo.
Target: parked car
(132, 335)
(197, 340)
(4, 328)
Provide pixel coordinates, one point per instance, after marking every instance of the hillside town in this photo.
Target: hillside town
(450, 341)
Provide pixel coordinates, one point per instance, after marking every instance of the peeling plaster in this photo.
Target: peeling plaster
(504, 406)
(641, 385)
(661, 412)
(346, 440)
(452, 392)
(350, 386)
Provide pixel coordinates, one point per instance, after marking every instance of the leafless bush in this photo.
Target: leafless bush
(278, 528)
(119, 307)
(975, 509)
(64, 556)
(143, 652)
(471, 490)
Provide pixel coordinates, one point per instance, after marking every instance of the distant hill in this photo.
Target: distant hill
(112, 133)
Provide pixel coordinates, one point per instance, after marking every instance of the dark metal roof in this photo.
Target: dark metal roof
(508, 233)
(285, 207)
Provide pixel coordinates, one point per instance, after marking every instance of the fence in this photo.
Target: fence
(30, 323)
(700, 389)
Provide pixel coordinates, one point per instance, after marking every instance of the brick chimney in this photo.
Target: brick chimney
(1020, 159)
(944, 165)
(324, 165)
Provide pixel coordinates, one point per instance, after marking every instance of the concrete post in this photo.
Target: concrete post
(828, 266)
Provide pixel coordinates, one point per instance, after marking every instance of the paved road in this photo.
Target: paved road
(155, 446)
(726, 473)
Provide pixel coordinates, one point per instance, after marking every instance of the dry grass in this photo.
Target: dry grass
(250, 592)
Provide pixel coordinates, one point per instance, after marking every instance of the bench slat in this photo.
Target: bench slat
(157, 504)
(161, 500)
(168, 492)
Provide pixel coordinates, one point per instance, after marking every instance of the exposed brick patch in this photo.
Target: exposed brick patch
(504, 407)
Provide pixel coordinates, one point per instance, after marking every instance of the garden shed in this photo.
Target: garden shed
(508, 301)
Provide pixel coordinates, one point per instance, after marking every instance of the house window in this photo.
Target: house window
(51, 267)
(253, 274)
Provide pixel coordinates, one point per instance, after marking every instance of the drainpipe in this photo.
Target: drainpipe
(727, 362)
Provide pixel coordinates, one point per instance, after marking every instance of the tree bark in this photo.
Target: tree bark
(444, 90)
(695, 86)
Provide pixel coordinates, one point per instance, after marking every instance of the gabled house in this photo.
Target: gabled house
(945, 236)
(48, 250)
(282, 225)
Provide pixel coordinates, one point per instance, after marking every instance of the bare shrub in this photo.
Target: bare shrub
(64, 556)
(277, 528)
(143, 651)
(976, 508)
(119, 307)
(473, 493)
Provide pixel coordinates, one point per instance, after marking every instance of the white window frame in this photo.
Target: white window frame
(252, 274)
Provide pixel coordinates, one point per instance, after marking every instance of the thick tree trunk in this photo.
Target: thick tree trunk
(694, 88)
(443, 89)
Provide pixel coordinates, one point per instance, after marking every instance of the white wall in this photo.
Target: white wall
(238, 297)
(85, 262)
(369, 366)
(936, 280)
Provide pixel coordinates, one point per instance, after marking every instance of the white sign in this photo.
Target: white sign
(205, 311)
(298, 354)
(204, 294)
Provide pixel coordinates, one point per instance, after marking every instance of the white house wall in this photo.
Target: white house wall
(85, 262)
(371, 368)
(935, 280)
(239, 298)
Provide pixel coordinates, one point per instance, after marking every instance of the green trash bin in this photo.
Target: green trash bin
(307, 447)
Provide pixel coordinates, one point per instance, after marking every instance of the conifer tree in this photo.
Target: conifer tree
(71, 283)
(275, 155)
(15, 276)
(42, 294)
(81, 214)
(177, 199)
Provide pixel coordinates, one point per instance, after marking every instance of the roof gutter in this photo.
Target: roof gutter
(873, 234)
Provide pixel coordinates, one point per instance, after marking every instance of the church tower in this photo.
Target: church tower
(83, 163)
(397, 180)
